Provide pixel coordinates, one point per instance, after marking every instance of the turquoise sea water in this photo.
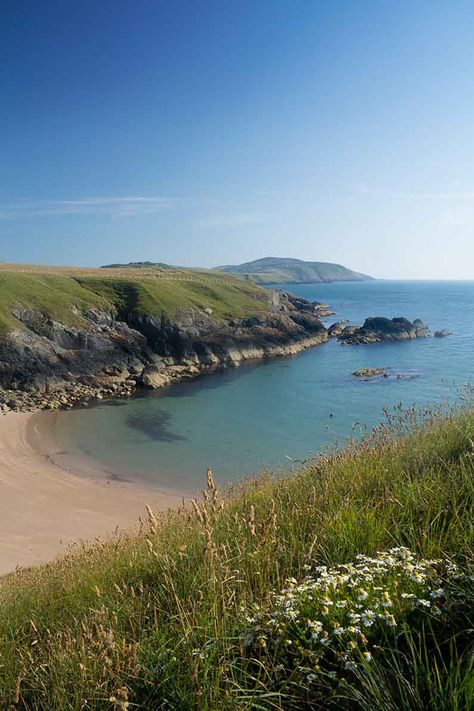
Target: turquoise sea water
(268, 415)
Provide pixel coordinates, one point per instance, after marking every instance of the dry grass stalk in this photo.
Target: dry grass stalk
(152, 520)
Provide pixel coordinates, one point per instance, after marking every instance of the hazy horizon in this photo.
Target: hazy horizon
(218, 133)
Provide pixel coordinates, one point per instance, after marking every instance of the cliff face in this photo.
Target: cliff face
(125, 350)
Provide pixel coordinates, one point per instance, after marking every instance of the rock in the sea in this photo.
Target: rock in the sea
(369, 373)
(335, 329)
(378, 329)
(443, 333)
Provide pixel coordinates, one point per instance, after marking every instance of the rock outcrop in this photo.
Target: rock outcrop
(443, 333)
(48, 364)
(370, 373)
(335, 329)
(378, 329)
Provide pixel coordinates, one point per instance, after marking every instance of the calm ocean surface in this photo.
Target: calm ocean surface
(240, 421)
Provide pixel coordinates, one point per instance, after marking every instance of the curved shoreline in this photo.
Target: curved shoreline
(50, 498)
(46, 506)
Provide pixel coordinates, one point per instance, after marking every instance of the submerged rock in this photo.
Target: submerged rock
(443, 333)
(369, 373)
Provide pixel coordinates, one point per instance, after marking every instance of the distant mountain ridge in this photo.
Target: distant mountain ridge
(279, 270)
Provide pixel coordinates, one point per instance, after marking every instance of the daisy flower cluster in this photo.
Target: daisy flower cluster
(329, 621)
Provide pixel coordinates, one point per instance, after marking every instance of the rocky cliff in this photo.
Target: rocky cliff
(47, 363)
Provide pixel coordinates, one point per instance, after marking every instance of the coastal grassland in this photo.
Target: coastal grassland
(56, 296)
(65, 294)
(228, 298)
(178, 615)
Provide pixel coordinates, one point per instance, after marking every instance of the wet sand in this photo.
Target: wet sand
(49, 499)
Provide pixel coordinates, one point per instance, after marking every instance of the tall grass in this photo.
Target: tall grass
(154, 619)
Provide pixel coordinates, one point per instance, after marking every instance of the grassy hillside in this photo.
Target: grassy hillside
(63, 294)
(276, 270)
(226, 605)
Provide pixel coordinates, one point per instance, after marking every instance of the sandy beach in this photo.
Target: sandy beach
(45, 506)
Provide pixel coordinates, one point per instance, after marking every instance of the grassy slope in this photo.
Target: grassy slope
(154, 617)
(63, 293)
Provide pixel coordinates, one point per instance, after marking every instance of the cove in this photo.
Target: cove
(276, 414)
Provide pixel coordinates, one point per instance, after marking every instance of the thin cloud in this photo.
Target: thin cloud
(112, 206)
(447, 195)
(229, 220)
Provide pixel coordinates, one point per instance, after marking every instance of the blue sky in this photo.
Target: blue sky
(202, 133)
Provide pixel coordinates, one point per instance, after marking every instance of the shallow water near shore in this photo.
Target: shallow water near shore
(277, 413)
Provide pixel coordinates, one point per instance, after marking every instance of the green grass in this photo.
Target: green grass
(154, 619)
(228, 298)
(56, 296)
(64, 295)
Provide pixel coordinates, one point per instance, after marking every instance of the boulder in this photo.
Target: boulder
(335, 329)
(153, 379)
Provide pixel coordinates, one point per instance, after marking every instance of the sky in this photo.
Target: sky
(221, 131)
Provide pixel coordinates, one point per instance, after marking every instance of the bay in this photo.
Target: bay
(278, 413)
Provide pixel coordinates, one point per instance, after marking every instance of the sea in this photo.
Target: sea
(277, 414)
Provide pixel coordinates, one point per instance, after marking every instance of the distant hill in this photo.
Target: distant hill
(138, 265)
(278, 270)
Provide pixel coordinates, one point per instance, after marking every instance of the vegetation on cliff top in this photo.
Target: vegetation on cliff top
(63, 294)
(279, 270)
(228, 605)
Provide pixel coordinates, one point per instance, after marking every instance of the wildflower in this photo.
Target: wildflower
(368, 618)
(384, 579)
(326, 601)
(390, 620)
(354, 616)
(424, 603)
